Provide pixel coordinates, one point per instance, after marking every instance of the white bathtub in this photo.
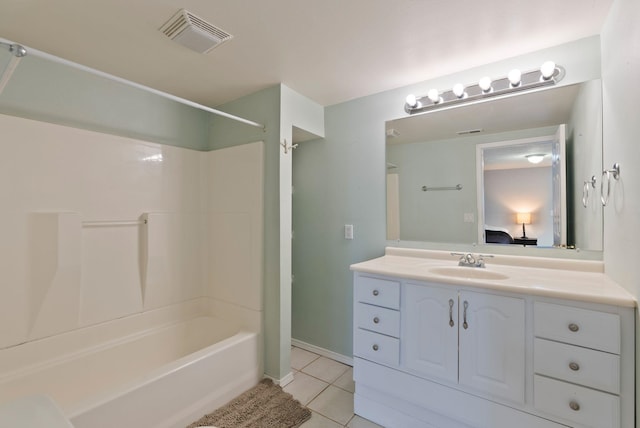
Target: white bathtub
(163, 377)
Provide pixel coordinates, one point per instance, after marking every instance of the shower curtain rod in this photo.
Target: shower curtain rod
(30, 51)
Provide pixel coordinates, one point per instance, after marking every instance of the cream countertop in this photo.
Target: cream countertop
(557, 278)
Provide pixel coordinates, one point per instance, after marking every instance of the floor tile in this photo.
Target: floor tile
(359, 422)
(301, 357)
(326, 369)
(305, 388)
(319, 421)
(346, 381)
(334, 403)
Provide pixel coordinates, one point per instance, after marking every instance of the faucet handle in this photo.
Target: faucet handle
(480, 259)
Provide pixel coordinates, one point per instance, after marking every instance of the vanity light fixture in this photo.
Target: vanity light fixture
(515, 77)
(485, 84)
(458, 90)
(548, 74)
(547, 69)
(434, 96)
(535, 158)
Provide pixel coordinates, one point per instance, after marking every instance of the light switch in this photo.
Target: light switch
(348, 231)
(468, 217)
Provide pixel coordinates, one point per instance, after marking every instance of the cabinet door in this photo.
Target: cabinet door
(429, 334)
(492, 341)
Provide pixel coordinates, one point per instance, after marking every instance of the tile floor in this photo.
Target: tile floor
(326, 387)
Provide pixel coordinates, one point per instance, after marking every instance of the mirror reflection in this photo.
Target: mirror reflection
(466, 175)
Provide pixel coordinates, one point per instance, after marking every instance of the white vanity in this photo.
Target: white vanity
(524, 342)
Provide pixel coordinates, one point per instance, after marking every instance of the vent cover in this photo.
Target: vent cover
(193, 32)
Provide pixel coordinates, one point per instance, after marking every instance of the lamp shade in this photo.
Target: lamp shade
(523, 218)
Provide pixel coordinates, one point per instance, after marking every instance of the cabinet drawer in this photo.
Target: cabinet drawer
(582, 327)
(583, 366)
(375, 318)
(376, 347)
(376, 291)
(590, 408)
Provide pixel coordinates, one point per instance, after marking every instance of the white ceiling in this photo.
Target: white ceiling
(329, 50)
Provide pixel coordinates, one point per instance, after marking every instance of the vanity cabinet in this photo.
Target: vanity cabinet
(473, 339)
(429, 354)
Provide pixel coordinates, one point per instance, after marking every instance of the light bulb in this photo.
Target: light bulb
(515, 77)
(434, 96)
(535, 158)
(458, 90)
(547, 69)
(411, 100)
(485, 84)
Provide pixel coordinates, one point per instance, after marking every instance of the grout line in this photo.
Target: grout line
(328, 384)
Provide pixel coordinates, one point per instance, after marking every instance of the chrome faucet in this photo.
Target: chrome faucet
(469, 260)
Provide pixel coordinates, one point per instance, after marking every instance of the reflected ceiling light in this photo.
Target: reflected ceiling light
(548, 74)
(515, 77)
(458, 90)
(535, 158)
(485, 84)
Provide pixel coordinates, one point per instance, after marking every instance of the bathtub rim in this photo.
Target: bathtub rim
(155, 374)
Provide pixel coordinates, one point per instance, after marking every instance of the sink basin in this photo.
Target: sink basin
(467, 272)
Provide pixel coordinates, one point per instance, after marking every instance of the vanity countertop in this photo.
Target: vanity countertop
(580, 280)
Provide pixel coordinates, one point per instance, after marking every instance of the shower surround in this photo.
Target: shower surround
(98, 229)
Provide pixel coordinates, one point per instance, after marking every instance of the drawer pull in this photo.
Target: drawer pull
(451, 323)
(574, 327)
(574, 366)
(376, 292)
(574, 405)
(464, 324)
(376, 320)
(375, 347)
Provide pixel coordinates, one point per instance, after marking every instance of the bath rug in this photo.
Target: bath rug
(265, 405)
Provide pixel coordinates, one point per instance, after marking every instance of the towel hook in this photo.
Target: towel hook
(585, 189)
(608, 173)
(289, 147)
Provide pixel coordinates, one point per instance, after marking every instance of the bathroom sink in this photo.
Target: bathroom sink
(467, 272)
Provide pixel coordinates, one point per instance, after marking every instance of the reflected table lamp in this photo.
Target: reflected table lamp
(523, 218)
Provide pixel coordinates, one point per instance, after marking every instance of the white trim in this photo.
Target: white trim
(324, 352)
(287, 379)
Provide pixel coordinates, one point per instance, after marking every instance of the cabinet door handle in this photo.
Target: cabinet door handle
(464, 315)
(376, 320)
(451, 323)
(574, 405)
(574, 327)
(375, 347)
(574, 366)
(376, 292)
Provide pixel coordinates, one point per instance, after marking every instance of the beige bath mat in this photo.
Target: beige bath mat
(265, 405)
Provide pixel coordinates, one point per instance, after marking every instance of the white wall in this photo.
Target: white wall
(620, 68)
(234, 217)
(60, 273)
(621, 104)
(508, 191)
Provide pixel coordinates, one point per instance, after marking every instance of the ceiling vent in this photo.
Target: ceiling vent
(193, 32)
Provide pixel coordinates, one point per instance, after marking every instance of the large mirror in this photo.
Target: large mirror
(465, 175)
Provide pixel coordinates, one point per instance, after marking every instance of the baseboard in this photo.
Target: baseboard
(285, 380)
(321, 351)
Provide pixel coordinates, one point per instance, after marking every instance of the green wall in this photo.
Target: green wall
(341, 180)
(47, 91)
